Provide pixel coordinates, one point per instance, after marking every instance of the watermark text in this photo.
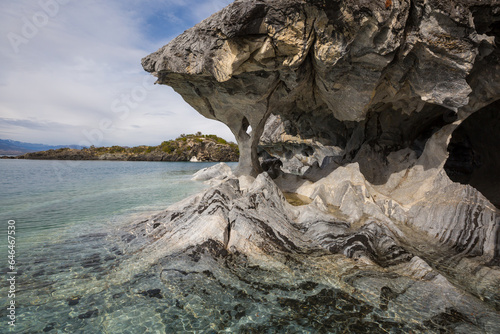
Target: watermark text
(12, 273)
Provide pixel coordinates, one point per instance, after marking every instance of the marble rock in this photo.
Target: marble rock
(254, 240)
(384, 117)
(219, 172)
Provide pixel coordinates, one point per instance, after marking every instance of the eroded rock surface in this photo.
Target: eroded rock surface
(384, 115)
(273, 266)
(213, 175)
(343, 73)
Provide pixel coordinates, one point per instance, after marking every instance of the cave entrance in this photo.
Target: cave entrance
(474, 152)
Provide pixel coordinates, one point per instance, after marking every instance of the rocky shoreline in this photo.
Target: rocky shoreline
(185, 148)
(311, 266)
(383, 117)
(366, 195)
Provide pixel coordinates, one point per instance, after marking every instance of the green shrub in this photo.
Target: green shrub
(216, 139)
(138, 149)
(116, 149)
(168, 146)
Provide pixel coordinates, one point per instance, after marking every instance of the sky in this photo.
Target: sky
(70, 71)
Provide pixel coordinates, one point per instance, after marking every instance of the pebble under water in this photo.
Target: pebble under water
(65, 287)
(76, 269)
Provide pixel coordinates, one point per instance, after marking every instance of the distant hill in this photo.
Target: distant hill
(193, 147)
(12, 147)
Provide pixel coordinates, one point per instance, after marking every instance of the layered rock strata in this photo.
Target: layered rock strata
(384, 116)
(311, 267)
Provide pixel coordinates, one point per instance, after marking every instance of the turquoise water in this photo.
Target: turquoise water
(54, 199)
(84, 264)
(66, 213)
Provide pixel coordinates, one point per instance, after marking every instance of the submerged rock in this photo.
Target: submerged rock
(153, 293)
(312, 262)
(89, 314)
(384, 115)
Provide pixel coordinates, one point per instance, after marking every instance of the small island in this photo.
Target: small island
(192, 147)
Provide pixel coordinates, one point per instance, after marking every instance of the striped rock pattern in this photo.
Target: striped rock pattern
(383, 118)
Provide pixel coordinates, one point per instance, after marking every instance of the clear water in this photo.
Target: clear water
(64, 213)
(81, 269)
(51, 200)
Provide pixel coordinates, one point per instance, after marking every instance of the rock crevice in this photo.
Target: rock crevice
(382, 114)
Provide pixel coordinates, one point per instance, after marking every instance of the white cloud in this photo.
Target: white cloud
(82, 66)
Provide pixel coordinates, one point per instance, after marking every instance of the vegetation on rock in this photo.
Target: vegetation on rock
(184, 148)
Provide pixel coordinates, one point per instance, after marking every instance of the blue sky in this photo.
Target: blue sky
(70, 71)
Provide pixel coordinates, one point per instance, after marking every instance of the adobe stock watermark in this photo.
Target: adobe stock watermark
(121, 109)
(31, 26)
(11, 274)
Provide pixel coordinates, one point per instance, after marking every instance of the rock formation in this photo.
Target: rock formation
(214, 174)
(384, 116)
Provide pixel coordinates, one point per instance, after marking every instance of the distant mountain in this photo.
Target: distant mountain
(12, 147)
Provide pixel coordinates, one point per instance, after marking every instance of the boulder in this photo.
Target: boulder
(219, 172)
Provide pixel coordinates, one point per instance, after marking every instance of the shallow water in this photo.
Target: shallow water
(66, 215)
(50, 200)
(81, 266)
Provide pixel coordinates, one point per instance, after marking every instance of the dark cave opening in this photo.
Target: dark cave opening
(474, 152)
(394, 130)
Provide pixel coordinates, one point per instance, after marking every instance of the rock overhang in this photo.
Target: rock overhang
(345, 62)
(362, 98)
